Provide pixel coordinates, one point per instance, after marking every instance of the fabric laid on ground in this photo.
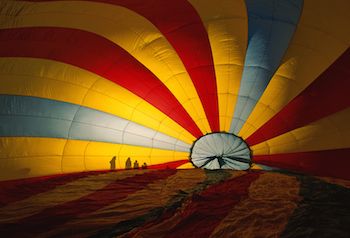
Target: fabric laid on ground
(177, 203)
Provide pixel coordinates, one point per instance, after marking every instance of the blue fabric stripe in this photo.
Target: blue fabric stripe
(29, 116)
(38, 117)
(271, 25)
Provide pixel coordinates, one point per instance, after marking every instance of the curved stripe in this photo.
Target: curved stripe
(183, 28)
(181, 25)
(98, 55)
(84, 205)
(271, 25)
(61, 194)
(159, 195)
(227, 25)
(334, 163)
(37, 117)
(160, 225)
(207, 211)
(44, 156)
(320, 38)
(271, 193)
(34, 186)
(328, 94)
(332, 132)
(125, 28)
(63, 82)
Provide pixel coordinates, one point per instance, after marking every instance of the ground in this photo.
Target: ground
(175, 203)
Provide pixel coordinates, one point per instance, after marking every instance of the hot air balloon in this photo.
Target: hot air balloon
(131, 118)
(83, 82)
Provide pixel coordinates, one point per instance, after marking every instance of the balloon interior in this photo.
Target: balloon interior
(174, 118)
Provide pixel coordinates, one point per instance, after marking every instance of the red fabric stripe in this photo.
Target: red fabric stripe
(96, 54)
(16, 190)
(328, 94)
(207, 209)
(52, 217)
(169, 165)
(181, 25)
(334, 163)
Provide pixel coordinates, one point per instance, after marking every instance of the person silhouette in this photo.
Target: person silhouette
(144, 166)
(136, 164)
(112, 163)
(128, 163)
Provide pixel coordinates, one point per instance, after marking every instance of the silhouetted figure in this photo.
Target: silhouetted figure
(144, 166)
(112, 162)
(128, 163)
(136, 164)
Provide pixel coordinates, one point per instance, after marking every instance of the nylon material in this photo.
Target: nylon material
(268, 39)
(200, 153)
(10, 147)
(30, 106)
(276, 90)
(48, 69)
(44, 156)
(55, 118)
(208, 149)
(161, 137)
(212, 164)
(226, 24)
(282, 197)
(236, 165)
(81, 131)
(72, 164)
(142, 40)
(46, 84)
(92, 117)
(331, 82)
(113, 73)
(151, 198)
(186, 166)
(30, 167)
(142, 112)
(183, 33)
(59, 195)
(332, 132)
(185, 95)
(319, 40)
(28, 85)
(135, 151)
(95, 203)
(313, 162)
(242, 154)
(210, 143)
(33, 126)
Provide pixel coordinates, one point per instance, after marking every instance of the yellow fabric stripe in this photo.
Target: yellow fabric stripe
(23, 157)
(162, 227)
(332, 132)
(321, 37)
(188, 165)
(270, 194)
(61, 194)
(256, 166)
(156, 194)
(63, 82)
(127, 29)
(227, 26)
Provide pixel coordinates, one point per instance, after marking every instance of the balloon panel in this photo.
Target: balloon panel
(102, 81)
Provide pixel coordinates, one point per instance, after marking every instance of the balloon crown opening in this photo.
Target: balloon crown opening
(221, 150)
